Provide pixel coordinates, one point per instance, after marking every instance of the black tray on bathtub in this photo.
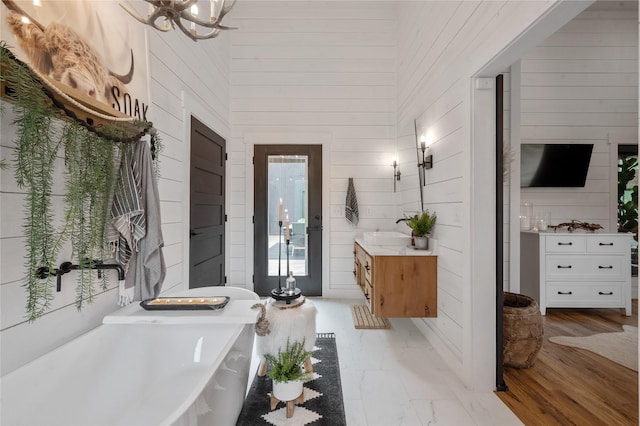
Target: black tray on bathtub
(185, 303)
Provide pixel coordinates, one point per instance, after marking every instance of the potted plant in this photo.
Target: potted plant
(286, 370)
(421, 225)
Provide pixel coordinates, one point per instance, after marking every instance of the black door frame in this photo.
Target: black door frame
(311, 285)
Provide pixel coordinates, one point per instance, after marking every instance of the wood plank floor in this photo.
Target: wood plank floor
(570, 386)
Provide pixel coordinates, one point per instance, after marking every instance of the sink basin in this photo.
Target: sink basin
(387, 238)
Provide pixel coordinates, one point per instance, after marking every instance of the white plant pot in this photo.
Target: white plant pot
(287, 391)
(421, 243)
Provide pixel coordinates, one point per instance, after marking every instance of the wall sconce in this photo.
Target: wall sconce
(396, 173)
(427, 161)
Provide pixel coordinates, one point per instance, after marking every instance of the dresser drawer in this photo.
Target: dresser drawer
(592, 268)
(565, 244)
(578, 294)
(608, 245)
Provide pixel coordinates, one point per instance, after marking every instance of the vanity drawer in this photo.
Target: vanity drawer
(578, 294)
(608, 245)
(590, 268)
(565, 244)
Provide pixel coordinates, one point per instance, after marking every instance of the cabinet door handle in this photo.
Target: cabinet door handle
(605, 267)
(608, 293)
(605, 244)
(565, 244)
(565, 292)
(564, 267)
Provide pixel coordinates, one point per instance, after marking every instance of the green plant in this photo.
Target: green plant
(90, 155)
(627, 197)
(287, 365)
(421, 224)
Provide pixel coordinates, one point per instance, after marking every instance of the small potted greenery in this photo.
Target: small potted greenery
(287, 371)
(421, 225)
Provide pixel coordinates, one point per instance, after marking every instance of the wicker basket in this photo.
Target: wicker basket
(523, 330)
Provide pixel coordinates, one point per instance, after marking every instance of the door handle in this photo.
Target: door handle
(194, 233)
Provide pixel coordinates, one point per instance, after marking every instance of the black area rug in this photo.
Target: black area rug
(323, 403)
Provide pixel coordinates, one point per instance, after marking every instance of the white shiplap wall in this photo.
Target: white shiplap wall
(441, 46)
(184, 77)
(303, 73)
(581, 86)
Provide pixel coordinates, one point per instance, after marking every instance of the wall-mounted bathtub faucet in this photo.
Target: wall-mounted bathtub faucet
(44, 272)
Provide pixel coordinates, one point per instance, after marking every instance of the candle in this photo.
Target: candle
(280, 212)
(194, 12)
(286, 232)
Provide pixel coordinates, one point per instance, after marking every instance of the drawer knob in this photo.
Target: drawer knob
(565, 244)
(564, 266)
(608, 293)
(605, 267)
(565, 292)
(605, 244)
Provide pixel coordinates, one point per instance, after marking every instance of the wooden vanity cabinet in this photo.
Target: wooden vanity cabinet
(397, 286)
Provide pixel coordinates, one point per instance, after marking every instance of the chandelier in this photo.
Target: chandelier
(165, 15)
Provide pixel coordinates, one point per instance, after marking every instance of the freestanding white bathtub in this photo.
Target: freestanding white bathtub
(140, 368)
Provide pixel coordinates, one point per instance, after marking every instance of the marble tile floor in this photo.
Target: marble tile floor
(395, 377)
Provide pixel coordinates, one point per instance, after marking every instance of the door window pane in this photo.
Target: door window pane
(288, 182)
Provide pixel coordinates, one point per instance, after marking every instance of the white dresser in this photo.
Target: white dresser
(576, 270)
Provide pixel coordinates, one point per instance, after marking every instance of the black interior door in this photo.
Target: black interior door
(207, 217)
(293, 174)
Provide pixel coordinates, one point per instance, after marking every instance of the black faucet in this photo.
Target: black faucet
(65, 267)
(402, 219)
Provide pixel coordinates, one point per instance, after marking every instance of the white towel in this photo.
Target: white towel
(351, 205)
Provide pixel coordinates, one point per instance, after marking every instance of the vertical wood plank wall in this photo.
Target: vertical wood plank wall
(581, 86)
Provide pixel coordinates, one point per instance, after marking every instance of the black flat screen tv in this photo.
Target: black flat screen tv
(554, 165)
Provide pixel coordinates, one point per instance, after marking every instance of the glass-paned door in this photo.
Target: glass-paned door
(288, 217)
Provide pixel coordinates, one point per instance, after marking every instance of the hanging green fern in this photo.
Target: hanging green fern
(90, 165)
(35, 156)
(90, 159)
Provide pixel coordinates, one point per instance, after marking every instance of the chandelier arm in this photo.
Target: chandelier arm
(224, 27)
(226, 9)
(184, 29)
(187, 16)
(181, 7)
(212, 34)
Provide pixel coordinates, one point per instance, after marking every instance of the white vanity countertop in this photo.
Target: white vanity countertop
(576, 232)
(375, 250)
